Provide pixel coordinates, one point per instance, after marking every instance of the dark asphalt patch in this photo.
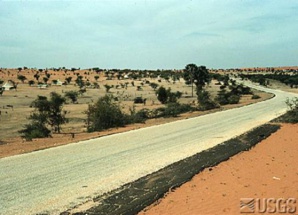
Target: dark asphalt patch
(135, 196)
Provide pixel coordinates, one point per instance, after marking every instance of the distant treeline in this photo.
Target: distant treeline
(290, 80)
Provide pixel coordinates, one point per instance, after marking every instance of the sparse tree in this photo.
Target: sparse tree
(108, 87)
(196, 75)
(205, 101)
(162, 95)
(31, 82)
(68, 79)
(153, 85)
(105, 114)
(22, 78)
(47, 112)
(96, 77)
(72, 95)
(45, 80)
(36, 76)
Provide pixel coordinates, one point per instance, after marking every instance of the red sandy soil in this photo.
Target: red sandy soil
(269, 170)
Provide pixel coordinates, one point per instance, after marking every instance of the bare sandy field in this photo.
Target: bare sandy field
(269, 170)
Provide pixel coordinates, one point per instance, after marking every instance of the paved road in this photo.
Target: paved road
(53, 180)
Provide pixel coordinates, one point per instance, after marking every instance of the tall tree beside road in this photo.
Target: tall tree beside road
(196, 75)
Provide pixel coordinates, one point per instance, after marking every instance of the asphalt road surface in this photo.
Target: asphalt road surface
(56, 179)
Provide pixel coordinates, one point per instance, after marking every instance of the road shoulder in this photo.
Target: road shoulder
(133, 197)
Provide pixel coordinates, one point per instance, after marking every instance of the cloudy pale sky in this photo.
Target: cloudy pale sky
(149, 34)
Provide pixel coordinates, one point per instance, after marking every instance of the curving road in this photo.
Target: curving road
(56, 179)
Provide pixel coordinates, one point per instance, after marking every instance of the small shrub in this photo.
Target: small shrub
(162, 95)
(105, 114)
(153, 85)
(35, 130)
(255, 96)
(292, 114)
(140, 116)
(205, 102)
(138, 100)
(166, 96)
(234, 99)
(174, 109)
(72, 95)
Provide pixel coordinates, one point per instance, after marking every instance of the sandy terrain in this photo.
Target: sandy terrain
(60, 178)
(218, 190)
(13, 120)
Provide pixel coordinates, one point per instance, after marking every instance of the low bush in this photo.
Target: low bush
(105, 114)
(140, 116)
(35, 130)
(174, 109)
(255, 96)
(138, 100)
(171, 110)
(292, 115)
(205, 101)
(234, 99)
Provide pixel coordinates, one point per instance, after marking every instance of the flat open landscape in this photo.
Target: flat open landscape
(13, 119)
(149, 107)
(57, 179)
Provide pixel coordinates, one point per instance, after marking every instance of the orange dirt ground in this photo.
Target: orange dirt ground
(269, 170)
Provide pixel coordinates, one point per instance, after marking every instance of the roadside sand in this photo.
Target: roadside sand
(267, 171)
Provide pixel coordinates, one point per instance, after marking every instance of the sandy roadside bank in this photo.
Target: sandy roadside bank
(266, 171)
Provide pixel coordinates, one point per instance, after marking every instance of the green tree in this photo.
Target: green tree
(52, 110)
(153, 85)
(22, 78)
(68, 79)
(31, 82)
(37, 128)
(196, 75)
(292, 114)
(96, 77)
(108, 87)
(222, 97)
(45, 79)
(36, 76)
(205, 101)
(72, 95)
(79, 81)
(162, 95)
(167, 96)
(105, 114)
(56, 115)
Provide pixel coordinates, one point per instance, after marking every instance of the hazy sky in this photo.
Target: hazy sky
(149, 34)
